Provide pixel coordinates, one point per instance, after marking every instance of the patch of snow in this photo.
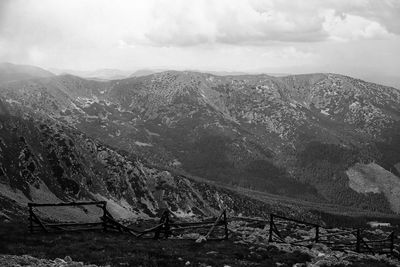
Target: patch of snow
(365, 178)
(325, 112)
(151, 133)
(182, 214)
(354, 105)
(379, 224)
(142, 144)
(176, 163)
(11, 101)
(74, 106)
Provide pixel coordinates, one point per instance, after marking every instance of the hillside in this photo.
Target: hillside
(12, 72)
(293, 136)
(45, 161)
(366, 178)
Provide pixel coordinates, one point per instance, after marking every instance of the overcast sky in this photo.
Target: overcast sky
(345, 36)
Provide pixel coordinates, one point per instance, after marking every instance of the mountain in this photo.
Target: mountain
(100, 74)
(144, 72)
(46, 161)
(298, 136)
(12, 72)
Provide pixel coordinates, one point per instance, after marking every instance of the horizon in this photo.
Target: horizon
(88, 73)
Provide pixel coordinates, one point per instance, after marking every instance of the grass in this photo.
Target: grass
(123, 250)
(115, 249)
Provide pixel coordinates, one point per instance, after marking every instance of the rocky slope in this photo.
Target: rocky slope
(45, 161)
(293, 136)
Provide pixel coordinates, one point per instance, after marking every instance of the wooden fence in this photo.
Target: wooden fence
(35, 223)
(353, 239)
(165, 228)
(356, 239)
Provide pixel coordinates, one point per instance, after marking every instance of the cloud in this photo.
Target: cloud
(235, 34)
(76, 24)
(240, 22)
(384, 12)
(257, 22)
(345, 27)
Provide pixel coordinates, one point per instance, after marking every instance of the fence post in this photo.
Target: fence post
(226, 226)
(158, 230)
(166, 224)
(271, 225)
(358, 241)
(316, 234)
(391, 243)
(30, 218)
(104, 216)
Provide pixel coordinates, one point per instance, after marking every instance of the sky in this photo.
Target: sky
(353, 37)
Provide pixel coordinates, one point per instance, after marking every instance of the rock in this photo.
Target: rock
(59, 261)
(255, 255)
(75, 264)
(272, 248)
(26, 260)
(321, 263)
(187, 263)
(191, 236)
(201, 239)
(261, 249)
(321, 248)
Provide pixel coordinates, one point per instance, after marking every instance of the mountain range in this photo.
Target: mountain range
(323, 137)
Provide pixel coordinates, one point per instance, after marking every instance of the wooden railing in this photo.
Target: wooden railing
(36, 223)
(358, 242)
(273, 229)
(167, 227)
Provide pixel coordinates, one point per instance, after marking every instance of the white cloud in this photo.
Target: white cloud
(185, 23)
(345, 27)
(93, 23)
(197, 33)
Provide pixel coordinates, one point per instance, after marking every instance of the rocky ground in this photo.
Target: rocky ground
(26, 260)
(256, 237)
(247, 246)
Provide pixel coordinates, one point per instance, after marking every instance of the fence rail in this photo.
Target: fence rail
(357, 243)
(166, 227)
